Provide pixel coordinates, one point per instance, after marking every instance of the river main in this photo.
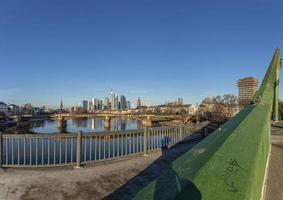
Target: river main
(86, 124)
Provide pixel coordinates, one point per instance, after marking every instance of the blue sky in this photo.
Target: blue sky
(159, 50)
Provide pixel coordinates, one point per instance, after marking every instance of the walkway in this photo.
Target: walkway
(275, 175)
(117, 180)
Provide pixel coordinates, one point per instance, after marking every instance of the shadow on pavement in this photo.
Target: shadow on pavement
(164, 184)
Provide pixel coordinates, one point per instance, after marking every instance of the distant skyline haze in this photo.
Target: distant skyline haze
(158, 50)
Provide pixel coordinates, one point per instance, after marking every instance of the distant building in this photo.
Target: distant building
(85, 104)
(123, 102)
(247, 88)
(90, 107)
(180, 101)
(13, 108)
(106, 104)
(27, 109)
(73, 109)
(112, 100)
(3, 107)
(116, 102)
(100, 105)
(192, 110)
(95, 104)
(139, 103)
(92, 104)
(37, 111)
(128, 105)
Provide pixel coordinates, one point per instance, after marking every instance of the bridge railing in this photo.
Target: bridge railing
(231, 163)
(50, 150)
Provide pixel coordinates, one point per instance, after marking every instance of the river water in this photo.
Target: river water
(86, 124)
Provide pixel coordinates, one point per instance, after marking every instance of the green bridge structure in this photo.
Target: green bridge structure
(231, 163)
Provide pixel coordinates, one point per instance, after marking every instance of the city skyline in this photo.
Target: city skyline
(91, 100)
(158, 50)
(144, 100)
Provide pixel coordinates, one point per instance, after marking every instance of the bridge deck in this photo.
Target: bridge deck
(117, 180)
(275, 174)
(231, 162)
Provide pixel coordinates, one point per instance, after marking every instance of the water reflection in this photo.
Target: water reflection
(37, 124)
(80, 122)
(86, 124)
(94, 124)
(123, 125)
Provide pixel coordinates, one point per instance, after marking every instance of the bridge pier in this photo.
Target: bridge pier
(147, 122)
(22, 122)
(107, 123)
(61, 124)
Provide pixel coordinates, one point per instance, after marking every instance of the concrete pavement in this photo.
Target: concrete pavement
(274, 190)
(116, 180)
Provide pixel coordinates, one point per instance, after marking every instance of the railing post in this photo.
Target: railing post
(181, 132)
(205, 132)
(1, 145)
(145, 136)
(79, 145)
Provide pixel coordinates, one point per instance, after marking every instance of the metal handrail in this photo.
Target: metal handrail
(47, 150)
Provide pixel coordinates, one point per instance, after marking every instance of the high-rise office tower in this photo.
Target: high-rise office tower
(85, 104)
(247, 88)
(116, 102)
(90, 105)
(100, 105)
(128, 105)
(180, 101)
(96, 104)
(112, 100)
(106, 104)
(123, 102)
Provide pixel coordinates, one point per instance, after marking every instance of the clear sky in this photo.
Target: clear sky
(156, 49)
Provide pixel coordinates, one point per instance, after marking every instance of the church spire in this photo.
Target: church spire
(61, 105)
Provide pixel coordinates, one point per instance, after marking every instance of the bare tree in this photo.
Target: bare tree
(231, 102)
(223, 107)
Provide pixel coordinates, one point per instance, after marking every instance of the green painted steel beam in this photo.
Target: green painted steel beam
(276, 95)
(231, 162)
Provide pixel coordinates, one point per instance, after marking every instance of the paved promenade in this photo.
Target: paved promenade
(117, 180)
(275, 175)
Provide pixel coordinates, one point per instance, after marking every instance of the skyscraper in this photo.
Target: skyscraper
(100, 105)
(85, 104)
(123, 102)
(247, 88)
(138, 102)
(180, 101)
(112, 99)
(96, 104)
(116, 101)
(128, 105)
(106, 104)
(90, 105)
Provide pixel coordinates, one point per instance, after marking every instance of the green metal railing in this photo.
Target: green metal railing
(231, 162)
(50, 150)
